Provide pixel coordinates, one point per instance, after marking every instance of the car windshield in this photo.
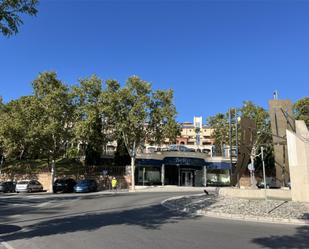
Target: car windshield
(23, 182)
(60, 181)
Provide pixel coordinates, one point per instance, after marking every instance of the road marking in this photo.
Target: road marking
(6, 245)
(44, 204)
(15, 216)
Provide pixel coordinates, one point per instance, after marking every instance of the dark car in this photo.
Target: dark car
(7, 187)
(84, 186)
(64, 185)
(271, 182)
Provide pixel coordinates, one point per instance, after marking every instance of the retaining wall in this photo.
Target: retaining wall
(284, 194)
(104, 182)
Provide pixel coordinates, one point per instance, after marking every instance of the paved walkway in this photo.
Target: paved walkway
(274, 211)
(171, 188)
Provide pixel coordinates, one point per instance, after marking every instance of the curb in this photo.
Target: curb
(260, 219)
(60, 195)
(170, 206)
(237, 217)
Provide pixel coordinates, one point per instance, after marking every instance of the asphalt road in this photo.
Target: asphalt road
(128, 220)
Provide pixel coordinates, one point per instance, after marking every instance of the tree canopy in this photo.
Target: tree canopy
(301, 110)
(58, 121)
(10, 12)
(139, 114)
(220, 124)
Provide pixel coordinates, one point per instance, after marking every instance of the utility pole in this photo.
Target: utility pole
(230, 139)
(236, 134)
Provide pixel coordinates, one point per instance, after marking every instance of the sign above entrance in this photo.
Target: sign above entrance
(218, 165)
(184, 161)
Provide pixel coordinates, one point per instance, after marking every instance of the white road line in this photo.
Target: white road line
(6, 245)
(15, 216)
(43, 204)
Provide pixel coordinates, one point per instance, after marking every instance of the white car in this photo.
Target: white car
(28, 186)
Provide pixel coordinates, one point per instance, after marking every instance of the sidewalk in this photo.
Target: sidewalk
(266, 211)
(171, 188)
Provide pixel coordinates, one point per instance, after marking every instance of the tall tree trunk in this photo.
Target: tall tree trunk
(53, 173)
(133, 157)
(133, 172)
(22, 153)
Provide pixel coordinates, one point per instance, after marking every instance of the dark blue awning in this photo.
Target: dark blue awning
(177, 161)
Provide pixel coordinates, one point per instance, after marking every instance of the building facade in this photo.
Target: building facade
(181, 168)
(195, 136)
(189, 162)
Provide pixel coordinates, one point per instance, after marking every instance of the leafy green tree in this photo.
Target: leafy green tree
(262, 121)
(220, 124)
(10, 11)
(137, 114)
(89, 122)
(122, 157)
(19, 131)
(56, 120)
(163, 117)
(301, 110)
(264, 136)
(2, 106)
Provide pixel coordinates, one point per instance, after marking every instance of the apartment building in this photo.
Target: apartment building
(196, 135)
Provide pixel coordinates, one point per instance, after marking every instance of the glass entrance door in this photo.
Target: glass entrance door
(186, 178)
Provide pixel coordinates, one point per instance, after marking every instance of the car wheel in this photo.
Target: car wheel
(29, 190)
(267, 186)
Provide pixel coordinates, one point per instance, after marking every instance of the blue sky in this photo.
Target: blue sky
(214, 54)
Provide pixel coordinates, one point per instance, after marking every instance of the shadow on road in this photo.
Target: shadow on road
(299, 240)
(151, 217)
(8, 229)
(29, 204)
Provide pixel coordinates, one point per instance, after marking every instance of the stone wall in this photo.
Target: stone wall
(104, 182)
(43, 178)
(284, 194)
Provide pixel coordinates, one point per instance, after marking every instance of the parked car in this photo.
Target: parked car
(271, 182)
(8, 186)
(84, 186)
(28, 186)
(64, 185)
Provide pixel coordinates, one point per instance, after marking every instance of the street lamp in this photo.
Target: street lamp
(264, 174)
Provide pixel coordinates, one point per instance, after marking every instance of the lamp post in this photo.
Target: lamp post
(264, 174)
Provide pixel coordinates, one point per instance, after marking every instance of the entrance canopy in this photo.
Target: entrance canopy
(177, 161)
